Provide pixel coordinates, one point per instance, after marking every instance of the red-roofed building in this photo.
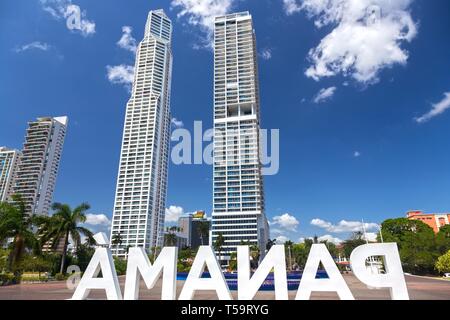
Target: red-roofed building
(434, 220)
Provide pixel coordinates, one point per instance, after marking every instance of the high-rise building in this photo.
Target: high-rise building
(238, 206)
(8, 168)
(38, 165)
(139, 208)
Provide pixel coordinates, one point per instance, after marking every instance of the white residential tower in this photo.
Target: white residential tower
(139, 208)
(39, 163)
(238, 206)
(8, 167)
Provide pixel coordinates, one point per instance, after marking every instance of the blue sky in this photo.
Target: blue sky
(357, 139)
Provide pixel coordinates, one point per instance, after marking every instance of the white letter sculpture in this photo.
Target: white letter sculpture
(394, 278)
(101, 261)
(248, 287)
(205, 257)
(334, 283)
(139, 265)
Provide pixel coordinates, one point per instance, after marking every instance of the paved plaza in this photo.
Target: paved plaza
(419, 289)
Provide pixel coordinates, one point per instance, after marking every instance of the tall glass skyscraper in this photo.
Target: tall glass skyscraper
(139, 208)
(238, 206)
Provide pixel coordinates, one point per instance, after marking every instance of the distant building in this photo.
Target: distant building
(190, 229)
(434, 220)
(8, 168)
(37, 170)
(180, 242)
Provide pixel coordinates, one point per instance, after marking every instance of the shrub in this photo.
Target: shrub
(121, 266)
(443, 263)
(60, 277)
(8, 279)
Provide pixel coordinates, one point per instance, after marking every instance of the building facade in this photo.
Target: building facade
(38, 165)
(9, 160)
(238, 201)
(139, 208)
(195, 228)
(434, 220)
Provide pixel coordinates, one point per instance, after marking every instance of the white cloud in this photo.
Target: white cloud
(97, 220)
(281, 239)
(121, 74)
(330, 238)
(36, 45)
(75, 17)
(285, 222)
(343, 226)
(266, 54)
(367, 36)
(437, 109)
(177, 123)
(325, 94)
(173, 213)
(127, 41)
(291, 6)
(202, 13)
(357, 154)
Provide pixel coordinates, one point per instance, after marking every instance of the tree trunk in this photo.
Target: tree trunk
(63, 258)
(16, 253)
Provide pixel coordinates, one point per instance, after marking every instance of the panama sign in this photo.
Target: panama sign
(165, 266)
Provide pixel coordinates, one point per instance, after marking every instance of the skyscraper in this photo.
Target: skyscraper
(38, 165)
(139, 208)
(238, 206)
(8, 168)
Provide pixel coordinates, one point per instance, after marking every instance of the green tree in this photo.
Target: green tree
(356, 240)
(300, 253)
(255, 254)
(117, 240)
(203, 230)
(443, 239)
(63, 223)
(84, 254)
(170, 239)
(218, 245)
(443, 263)
(120, 265)
(31, 263)
(416, 242)
(233, 261)
(331, 248)
(270, 244)
(17, 224)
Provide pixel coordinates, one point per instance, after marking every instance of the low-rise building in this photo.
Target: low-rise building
(434, 220)
(195, 228)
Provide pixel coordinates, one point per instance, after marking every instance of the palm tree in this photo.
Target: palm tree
(17, 224)
(64, 223)
(203, 230)
(116, 240)
(218, 245)
(270, 244)
(171, 239)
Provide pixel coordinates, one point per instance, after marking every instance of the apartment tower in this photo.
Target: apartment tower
(139, 207)
(8, 167)
(238, 205)
(38, 165)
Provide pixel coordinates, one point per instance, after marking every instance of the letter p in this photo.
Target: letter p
(394, 278)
